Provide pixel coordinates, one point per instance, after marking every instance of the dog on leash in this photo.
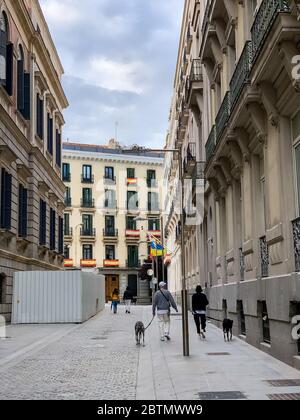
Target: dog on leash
(227, 329)
(140, 333)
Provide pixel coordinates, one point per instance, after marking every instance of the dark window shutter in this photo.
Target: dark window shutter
(43, 221)
(61, 236)
(6, 189)
(23, 211)
(27, 94)
(52, 229)
(3, 53)
(38, 114)
(9, 68)
(40, 117)
(58, 148)
(50, 135)
(20, 86)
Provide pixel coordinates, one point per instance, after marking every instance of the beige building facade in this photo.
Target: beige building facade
(31, 105)
(236, 106)
(108, 189)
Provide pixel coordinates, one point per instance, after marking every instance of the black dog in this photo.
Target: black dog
(139, 333)
(227, 328)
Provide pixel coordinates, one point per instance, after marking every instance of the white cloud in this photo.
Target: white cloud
(61, 13)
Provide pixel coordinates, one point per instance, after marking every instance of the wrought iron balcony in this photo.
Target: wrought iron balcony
(110, 233)
(241, 74)
(190, 159)
(87, 179)
(196, 74)
(68, 201)
(211, 144)
(296, 236)
(223, 116)
(264, 257)
(264, 20)
(88, 232)
(68, 231)
(194, 83)
(66, 177)
(110, 180)
(87, 203)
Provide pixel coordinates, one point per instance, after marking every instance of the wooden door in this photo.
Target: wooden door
(111, 283)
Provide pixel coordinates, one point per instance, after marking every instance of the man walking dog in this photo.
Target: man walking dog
(162, 302)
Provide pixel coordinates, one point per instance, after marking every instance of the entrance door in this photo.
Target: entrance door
(132, 283)
(111, 283)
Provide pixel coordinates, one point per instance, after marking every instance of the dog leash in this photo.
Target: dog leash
(150, 323)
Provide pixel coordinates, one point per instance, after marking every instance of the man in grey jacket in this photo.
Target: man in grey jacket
(162, 301)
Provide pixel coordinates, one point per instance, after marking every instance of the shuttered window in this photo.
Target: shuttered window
(39, 117)
(20, 79)
(52, 229)
(23, 211)
(43, 222)
(61, 235)
(58, 148)
(6, 196)
(9, 68)
(50, 134)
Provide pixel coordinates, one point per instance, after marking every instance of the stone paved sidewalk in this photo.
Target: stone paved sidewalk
(100, 360)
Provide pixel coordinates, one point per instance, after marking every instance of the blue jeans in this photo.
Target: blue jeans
(114, 305)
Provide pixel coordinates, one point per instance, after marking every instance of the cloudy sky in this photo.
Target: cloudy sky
(119, 58)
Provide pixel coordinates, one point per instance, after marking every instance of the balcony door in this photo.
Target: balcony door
(133, 256)
(110, 253)
(87, 221)
(109, 225)
(109, 173)
(87, 172)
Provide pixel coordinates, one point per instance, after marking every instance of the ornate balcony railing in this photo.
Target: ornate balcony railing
(68, 201)
(264, 257)
(87, 179)
(264, 20)
(223, 116)
(196, 71)
(110, 232)
(87, 203)
(68, 231)
(133, 263)
(296, 236)
(211, 144)
(88, 232)
(241, 74)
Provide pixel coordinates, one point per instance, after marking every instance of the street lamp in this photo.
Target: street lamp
(185, 325)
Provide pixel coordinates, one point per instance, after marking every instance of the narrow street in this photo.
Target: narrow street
(100, 360)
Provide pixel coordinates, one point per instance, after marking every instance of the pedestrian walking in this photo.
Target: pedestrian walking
(199, 304)
(162, 303)
(115, 300)
(128, 297)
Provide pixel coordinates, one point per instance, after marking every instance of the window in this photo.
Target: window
(66, 172)
(58, 148)
(151, 178)
(23, 211)
(130, 223)
(109, 173)
(6, 197)
(67, 252)
(110, 253)
(87, 197)
(87, 221)
(20, 75)
(153, 204)
(130, 173)
(52, 229)
(265, 323)
(6, 56)
(87, 173)
(133, 256)
(132, 283)
(61, 235)
(68, 198)
(296, 138)
(241, 315)
(50, 134)
(67, 229)
(110, 199)
(132, 200)
(2, 287)
(109, 225)
(39, 117)
(87, 252)
(43, 221)
(153, 224)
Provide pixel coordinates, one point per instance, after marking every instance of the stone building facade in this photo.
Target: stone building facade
(31, 105)
(244, 106)
(108, 188)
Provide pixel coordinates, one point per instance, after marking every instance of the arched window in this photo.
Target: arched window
(20, 78)
(6, 56)
(3, 47)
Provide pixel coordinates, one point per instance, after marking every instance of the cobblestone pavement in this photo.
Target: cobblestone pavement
(100, 360)
(96, 360)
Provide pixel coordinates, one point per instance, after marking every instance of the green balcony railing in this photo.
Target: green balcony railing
(211, 143)
(223, 116)
(241, 74)
(264, 20)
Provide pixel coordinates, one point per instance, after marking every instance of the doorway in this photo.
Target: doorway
(112, 282)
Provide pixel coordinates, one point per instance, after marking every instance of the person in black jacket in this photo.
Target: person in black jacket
(199, 304)
(128, 297)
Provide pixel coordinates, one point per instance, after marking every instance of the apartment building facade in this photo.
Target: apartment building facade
(246, 108)
(113, 210)
(31, 105)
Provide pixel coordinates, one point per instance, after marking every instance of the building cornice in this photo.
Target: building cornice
(97, 157)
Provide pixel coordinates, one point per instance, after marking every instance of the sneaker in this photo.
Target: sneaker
(203, 335)
(167, 337)
(162, 339)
